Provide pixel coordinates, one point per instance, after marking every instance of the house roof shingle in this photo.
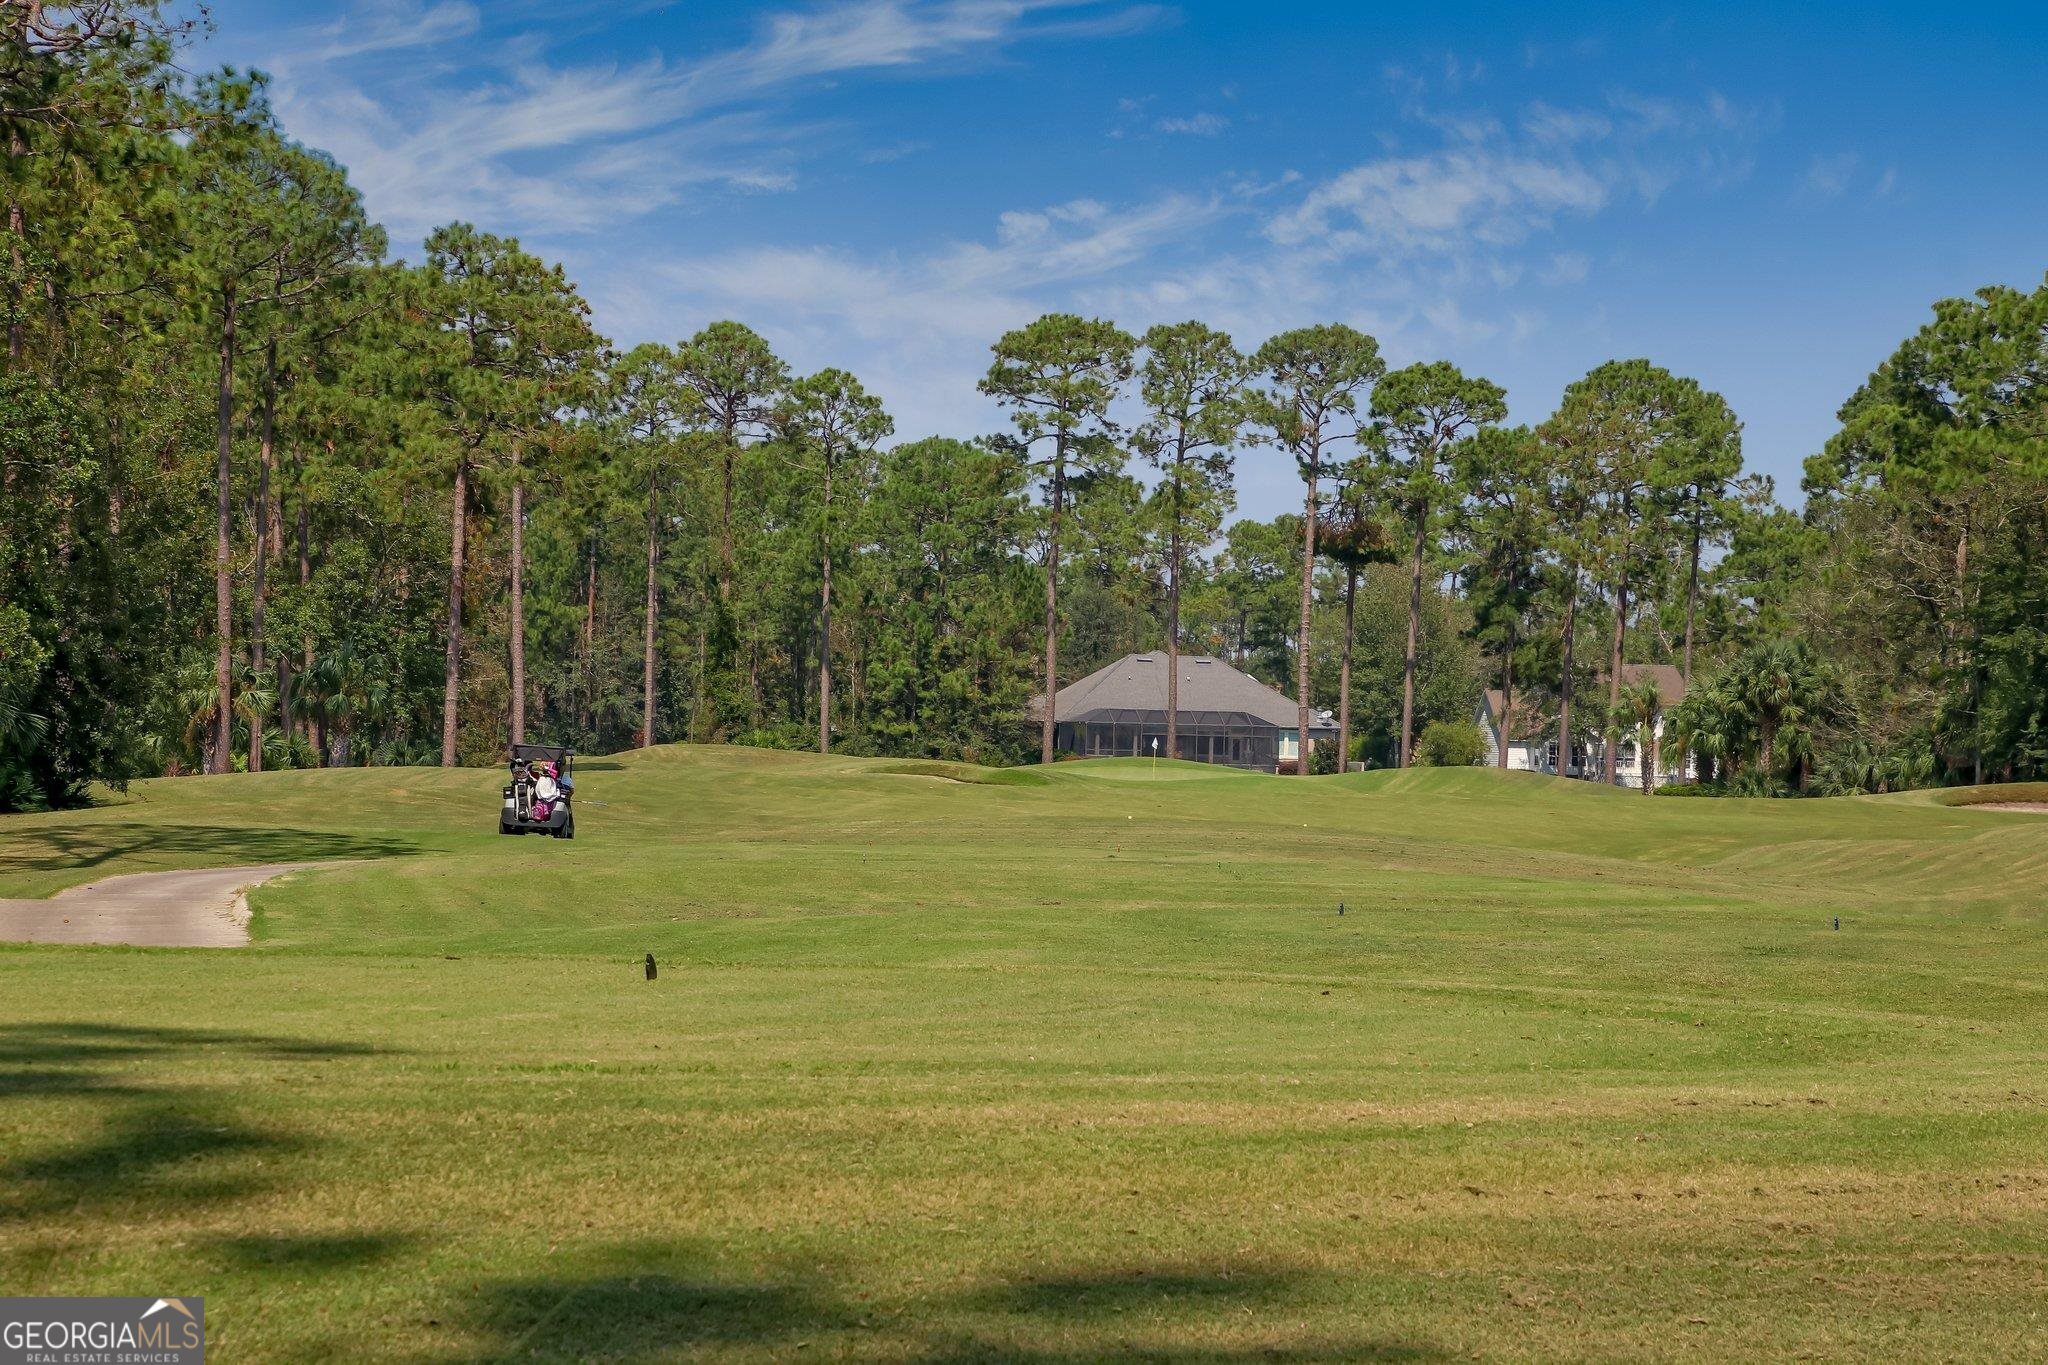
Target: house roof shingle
(1670, 682)
(1211, 692)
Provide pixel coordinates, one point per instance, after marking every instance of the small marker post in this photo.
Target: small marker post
(1340, 909)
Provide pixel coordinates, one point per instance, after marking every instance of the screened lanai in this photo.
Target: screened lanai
(1226, 716)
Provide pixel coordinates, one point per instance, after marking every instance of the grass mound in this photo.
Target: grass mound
(2002, 793)
(961, 772)
(1152, 770)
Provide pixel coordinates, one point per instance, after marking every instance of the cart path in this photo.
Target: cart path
(198, 908)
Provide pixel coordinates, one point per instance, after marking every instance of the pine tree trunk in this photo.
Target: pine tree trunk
(825, 625)
(588, 671)
(1344, 673)
(518, 599)
(1564, 692)
(316, 728)
(1414, 638)
(266, 538)
(223, 568)
(17, 227)
(286, 673)
(1308, 584)
(697, 730)
(1173, 564)
(1049, 721)
(1507, 706)
(458, 558)
(729, 455)
(1692, 594)
(649, 619)
(1614, 676)
(1976, 668)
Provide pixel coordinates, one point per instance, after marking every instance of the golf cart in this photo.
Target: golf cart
(539, 772)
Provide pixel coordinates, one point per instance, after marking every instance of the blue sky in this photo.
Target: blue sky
(1764, 197)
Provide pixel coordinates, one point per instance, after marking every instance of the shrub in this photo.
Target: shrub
(1450, 744)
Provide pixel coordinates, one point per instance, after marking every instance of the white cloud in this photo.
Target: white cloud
(1198, 125)
(1438, 203)
(1566, 267)
(1545, 123)
(386, 26)
(1829, 176)
(1489, 188)
(456, 134)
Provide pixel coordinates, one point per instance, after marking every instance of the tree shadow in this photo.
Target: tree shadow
(1177, 1288)
(649, 1301)
(1118, 1307)
(90, 846)
(155, 1141)
(643, 1302)
(309, 1253)
(78, 1044)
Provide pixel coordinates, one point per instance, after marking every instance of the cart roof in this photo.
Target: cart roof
(547, 753)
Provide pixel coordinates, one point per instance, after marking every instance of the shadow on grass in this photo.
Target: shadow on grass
(1178, 1289)
(61, 850)
(140, 1137)
(309, 1253)
(648, 1302)
(1148, 1312)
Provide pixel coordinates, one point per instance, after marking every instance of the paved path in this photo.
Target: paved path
(202, 908)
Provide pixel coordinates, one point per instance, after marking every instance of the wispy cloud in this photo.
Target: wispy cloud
(960, 289)
(1491, 187)
(1830, 176)
(427, 150)
(1566, 267)
(1423, 248)
(386, 26)
(1197, 125)
(1400, 205)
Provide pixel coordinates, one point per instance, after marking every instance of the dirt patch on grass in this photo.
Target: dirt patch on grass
(198, 908)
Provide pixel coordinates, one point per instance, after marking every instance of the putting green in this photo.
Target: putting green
(1046, 1065)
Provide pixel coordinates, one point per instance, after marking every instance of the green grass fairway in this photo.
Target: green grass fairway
(945, 1064)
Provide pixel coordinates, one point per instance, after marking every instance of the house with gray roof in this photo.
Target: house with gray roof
(1226, 716)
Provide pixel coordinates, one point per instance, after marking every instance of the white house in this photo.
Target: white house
(1529, 733)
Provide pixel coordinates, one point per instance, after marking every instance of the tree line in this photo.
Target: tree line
(274, 499)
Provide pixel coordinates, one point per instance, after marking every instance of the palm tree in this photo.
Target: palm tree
(1641, 705)
(1784, 696)
(1710, 727)
(345, 696)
